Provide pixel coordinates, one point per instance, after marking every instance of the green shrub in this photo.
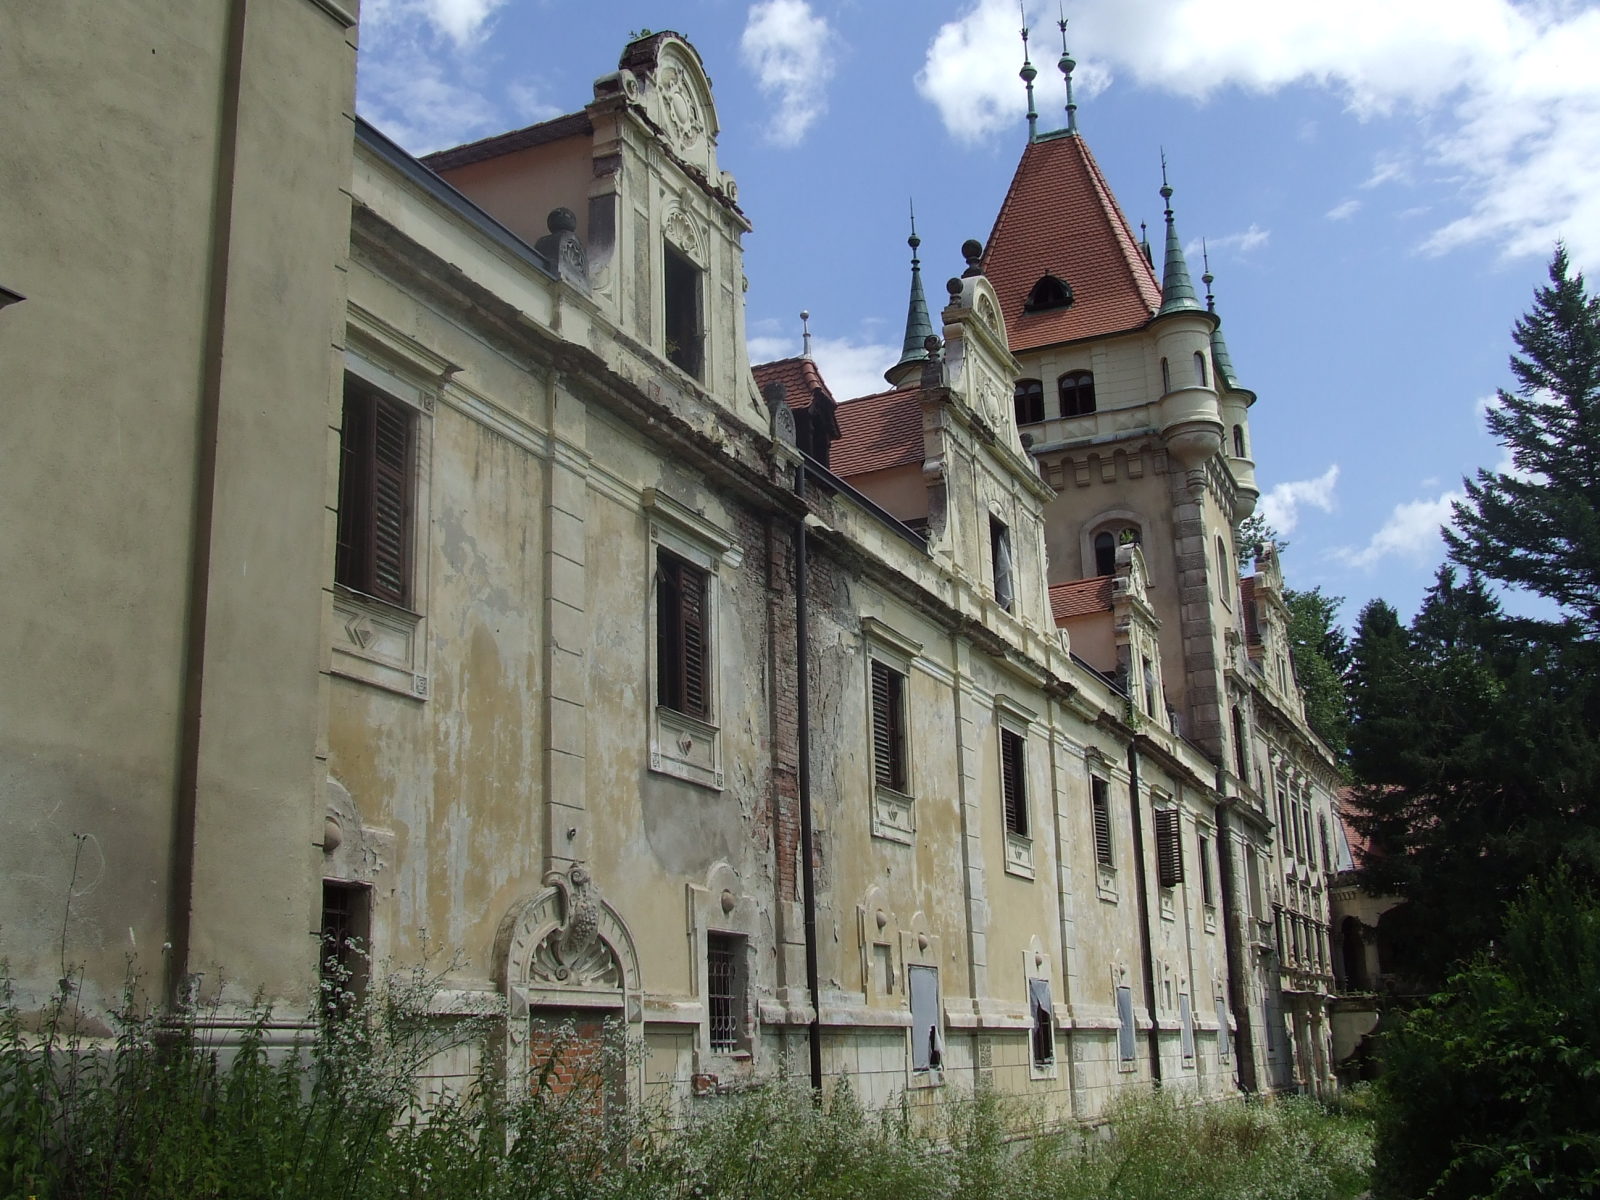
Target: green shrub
(1493, 1088)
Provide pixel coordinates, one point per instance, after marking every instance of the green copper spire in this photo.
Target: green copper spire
(1221, 362)
(1066, 63)
(918, 327)
(1177, 293)
(1028, 75)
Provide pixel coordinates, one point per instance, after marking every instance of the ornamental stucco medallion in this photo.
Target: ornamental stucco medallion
(680, 111)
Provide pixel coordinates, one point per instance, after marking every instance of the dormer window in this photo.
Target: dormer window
(1076, 389)
(1029, 400)
(1050, 292)
(682, 321)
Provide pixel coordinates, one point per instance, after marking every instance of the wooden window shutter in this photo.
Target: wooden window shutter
(1169, 853)
(375, 495)
(1102, 822)
(696, 689)
(888, 733)
(682, 655)
(1012, 783)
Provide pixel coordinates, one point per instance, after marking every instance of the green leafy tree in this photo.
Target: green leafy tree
(1493, 1088)
(1321, 652)
(1538, 526)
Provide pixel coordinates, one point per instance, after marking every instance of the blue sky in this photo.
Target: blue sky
(1380, 185)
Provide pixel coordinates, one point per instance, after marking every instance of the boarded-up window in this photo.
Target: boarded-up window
(1013, 782)
(1186, 1024)
(927, 1046)
(1169, 850)
(1125, 1030)
(888, 726)
(1100, 802)
(1044, 1025)
(375, 494)
(682, 653)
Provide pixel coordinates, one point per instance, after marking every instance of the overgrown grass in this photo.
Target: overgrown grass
(163, 1115)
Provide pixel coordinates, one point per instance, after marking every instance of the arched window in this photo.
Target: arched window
(1200, 368)
(1238, 442)
(1029, 399)
(1050, 292)
(1105, 547)
(1166, 377)
(1077, 393)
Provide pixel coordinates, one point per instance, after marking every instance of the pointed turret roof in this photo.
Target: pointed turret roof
(913, 351)
(1177, 290)
(1221, 360)
(1060, 218)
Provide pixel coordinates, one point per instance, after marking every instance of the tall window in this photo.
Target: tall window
(1203, 864)
(888, 727)
(1100, 805)
(1105, 547)
(682, 321)
(1076, 389)
(1186, 1026)
(1169, 850)
(725, 991)
(375, 494)
(1322, 835)
(1013, 782)
(1029, 400)
(1238, 441)
(1241, 752)
(1166, 377)
(1000, 554)
(927, 1050)
(1044, 1025)
(1125, 1050)
(1200, 368)
(682, 655)
(346, 924)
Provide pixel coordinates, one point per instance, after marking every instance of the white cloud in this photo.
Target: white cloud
(1240, 243)
(1281, 506)
(1507, 100)
(851, 367)
(1411, 533)
(459, 20)
(1344, 210)
(789, 49)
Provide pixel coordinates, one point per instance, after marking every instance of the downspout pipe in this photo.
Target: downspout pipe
(1146, 942)
(808, 874)
(1235, 948)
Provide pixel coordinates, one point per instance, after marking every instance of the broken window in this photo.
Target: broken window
(1044, 1026)
(1000, 554)
(927, 1046)
(685, 345)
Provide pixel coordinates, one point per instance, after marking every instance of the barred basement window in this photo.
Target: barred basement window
(888, 727)
(1169, 851)
(1013, 782)
(682, 656)
(724, 991)
(1100, 802)
(375, 495)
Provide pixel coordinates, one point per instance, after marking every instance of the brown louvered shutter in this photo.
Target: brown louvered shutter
(692, 596)
(355, 488)
(391, 502)
(1169, 852)
(888, 738)
(1102, 822)
(1012, 783)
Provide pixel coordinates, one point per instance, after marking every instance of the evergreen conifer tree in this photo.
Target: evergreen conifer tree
(1538, 525)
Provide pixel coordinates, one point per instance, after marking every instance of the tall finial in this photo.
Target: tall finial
(1028, 75)
(805, 333)
(1208, 278)
(918, 326)
(1221, 360)
(1177, 292)
(1066, 64)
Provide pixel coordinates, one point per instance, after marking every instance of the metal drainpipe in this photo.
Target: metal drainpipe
(186, 801)
(1244, 1061)
(807, 862)
(1145, 941)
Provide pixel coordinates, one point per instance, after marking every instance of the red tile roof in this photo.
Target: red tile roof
(483, 149)
(799, 377)
(878, 432)
(1080, 597)
(1060, 218)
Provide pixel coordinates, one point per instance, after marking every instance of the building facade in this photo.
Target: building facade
(486, 598)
